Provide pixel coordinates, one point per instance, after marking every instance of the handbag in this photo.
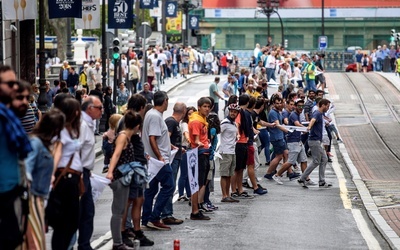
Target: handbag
(54, 205)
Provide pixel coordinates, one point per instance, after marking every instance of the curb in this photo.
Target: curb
(372, 210)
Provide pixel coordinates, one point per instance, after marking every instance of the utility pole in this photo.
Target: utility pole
(104, 45)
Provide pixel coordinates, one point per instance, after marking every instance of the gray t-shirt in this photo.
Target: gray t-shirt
(228, 137)
(154, 125)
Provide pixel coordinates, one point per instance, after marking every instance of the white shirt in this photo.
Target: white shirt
(87, 140)
(70, 147)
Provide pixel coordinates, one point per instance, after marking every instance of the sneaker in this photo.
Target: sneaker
(144, 241)
(127, 241)
(203, 207)
(211, 206)
(263, 188)
(260, 191)
(229, 199)
(199, 216)
(245, 195)
(329, 159)
(339, 140)
(246, 184)
(325, 185)
(267, 163)
(157, 225)
(183, 198)
(105, 169)
(122, 247)
(172, 221)
(294, 176)
(310, 182)
(235, 195)
(277, 179)
(302, 183)
(128, 233)
(269, 176)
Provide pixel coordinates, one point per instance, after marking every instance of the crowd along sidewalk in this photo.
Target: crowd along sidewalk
(170, 84)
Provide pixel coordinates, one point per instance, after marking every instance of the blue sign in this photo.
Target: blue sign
(147, 4)
(194, 22)
(120, 14)
(65, 8)
(322, 42)
(332, 13)
(171, 9)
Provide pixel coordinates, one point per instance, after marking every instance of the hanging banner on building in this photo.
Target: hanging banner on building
(174, 28)
(19, 10)
(147, 4)
(194, 22)
(155, 4)
(90, 15)
(65, 8)
(193, 169)
(171, 9)
(120, 14)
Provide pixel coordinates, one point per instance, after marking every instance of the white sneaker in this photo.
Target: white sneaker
(311, 183)
(277, 179)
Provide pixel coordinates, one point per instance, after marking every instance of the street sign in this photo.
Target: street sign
(322, 42)
(144, 31)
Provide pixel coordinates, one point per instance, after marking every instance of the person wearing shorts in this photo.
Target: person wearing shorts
(295, 146)
(185, 62)
(198, 134)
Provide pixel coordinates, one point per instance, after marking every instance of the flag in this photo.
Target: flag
(193, 169)
(90, 15)
(19, 10)
(120, 14)
(65, 8)
(171, 9)
(194, 22)
(147, 4)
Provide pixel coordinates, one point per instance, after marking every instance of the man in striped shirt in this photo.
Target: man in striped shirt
(22, 108)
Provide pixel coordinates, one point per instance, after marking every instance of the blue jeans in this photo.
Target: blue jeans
(168, 210)
(209, 68)
(224, 70)
(174, 70)
(86, 214)
(379, 64)
(264, 138)
(166, 179)
(71, 90)
(310, 85)
(183, 182)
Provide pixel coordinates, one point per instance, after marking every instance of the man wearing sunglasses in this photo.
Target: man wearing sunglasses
(14, 146)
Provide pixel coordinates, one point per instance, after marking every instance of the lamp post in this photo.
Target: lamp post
(104, 46)
(186, 7)
(69, 44)
(42, 102)
(268, 7)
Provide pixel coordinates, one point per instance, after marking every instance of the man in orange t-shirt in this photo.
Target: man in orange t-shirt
(198, 134)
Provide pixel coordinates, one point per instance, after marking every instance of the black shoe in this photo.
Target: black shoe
(267, 163)
(199, 216)
(128, 242)
(263, 188)
(122, 247)
(246, 184)
(329, 159)
(144, 241)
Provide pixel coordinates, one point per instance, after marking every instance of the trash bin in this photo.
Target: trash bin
(386, 65)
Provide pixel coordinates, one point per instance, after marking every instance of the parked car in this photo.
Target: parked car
(352, 67)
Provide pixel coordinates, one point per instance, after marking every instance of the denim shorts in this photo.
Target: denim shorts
(135, 192)
(279, 146)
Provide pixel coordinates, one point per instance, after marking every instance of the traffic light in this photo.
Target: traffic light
(116, 48)
(286, 43)
(393, 31)
(397, 37)
(124, 42)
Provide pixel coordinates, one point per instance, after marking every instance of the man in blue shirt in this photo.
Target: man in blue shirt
(318, 153)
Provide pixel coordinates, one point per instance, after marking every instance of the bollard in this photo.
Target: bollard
(177, 244)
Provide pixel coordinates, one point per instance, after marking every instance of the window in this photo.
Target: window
(261, 39)
(295, 41)
(235, 41)
(353, 40)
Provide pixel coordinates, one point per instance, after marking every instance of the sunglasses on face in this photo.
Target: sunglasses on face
(10, 83)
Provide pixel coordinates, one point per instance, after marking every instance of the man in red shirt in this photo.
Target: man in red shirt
(198, 134)
(224, 64)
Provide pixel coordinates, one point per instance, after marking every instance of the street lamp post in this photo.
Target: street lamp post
(69, 54)
(186, 7)
(42, 102)
(268, 7)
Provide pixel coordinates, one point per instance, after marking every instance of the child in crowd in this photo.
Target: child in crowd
(108, 140)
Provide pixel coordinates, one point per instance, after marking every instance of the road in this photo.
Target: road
(288, 217)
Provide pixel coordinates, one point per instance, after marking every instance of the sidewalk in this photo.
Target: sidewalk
(170, 84)
(374, 171)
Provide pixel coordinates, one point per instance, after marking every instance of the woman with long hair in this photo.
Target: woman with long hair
(62, 211)
(183, 182)
(39, 166)
(123, 153)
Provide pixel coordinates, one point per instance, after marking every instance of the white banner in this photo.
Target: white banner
(19, 9)
(90, 15)
(154, 166)
(193, 169)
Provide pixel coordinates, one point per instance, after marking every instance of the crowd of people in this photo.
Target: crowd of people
(51, 156)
